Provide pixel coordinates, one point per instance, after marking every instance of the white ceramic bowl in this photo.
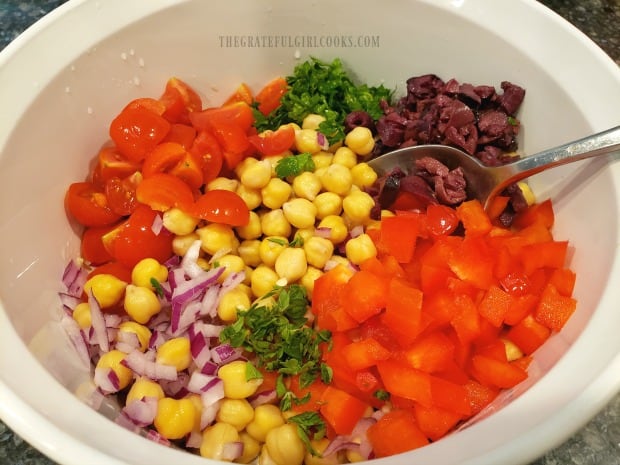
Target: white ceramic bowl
(63, 80)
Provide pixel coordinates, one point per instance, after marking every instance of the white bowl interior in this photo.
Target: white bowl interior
(100, 60)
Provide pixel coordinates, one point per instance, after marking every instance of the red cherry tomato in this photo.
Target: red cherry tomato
(208, 148)
(268, 98)
(92, 249)
(136, 131)
(121, 193)
(111, 164)
(89, 205)
(274, 142)
(135, 239)
(179, 100)
(162, 191)
(222, 206)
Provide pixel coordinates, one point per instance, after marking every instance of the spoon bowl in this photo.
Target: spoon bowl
(486, 182)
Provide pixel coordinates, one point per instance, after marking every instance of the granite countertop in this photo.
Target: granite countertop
(598, 443)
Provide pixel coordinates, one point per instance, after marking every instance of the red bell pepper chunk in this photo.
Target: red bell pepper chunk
(396, 432)
(539, 213)
(366, 295)
(528, 334)
(341, 410)
(364, 353)
(434, 421)
(475, 220)
(554, 309)
(403, 311)
(404, 381)
(543, 255)
(479, 395)
(497, 373)
(430, 353)
(473, 262)
(399, 234)
(495, 304)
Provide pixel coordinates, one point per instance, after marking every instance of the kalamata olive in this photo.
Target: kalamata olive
(358, 118)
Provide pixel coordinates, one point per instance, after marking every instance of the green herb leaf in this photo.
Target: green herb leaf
(251, 372)
(294, 165)
(328, 90)
(279, 241)
(157, 287)
(310, 425)
(382, 394)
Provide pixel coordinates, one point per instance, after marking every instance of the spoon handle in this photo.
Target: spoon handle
(599, 144)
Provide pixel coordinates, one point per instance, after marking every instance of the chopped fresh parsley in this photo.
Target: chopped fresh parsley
(251, 372)
(309, 425)
(159, 291)
(294, 165)
(281, 340)
(328, 90)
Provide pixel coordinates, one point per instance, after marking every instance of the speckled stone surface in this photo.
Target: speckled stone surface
(598, 443)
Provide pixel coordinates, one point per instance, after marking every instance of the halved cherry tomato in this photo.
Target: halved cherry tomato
(179, 100)
(237, 114)
(111, 164)
(208, 148)
(162, 191)
(183, 134)
(89, 205)
(92, 249)
(114, 268)
(162, 158)
(147, 103)
(190, 170)
(221, 206)
(269, 97)
(136, 131)
(135, 239)
(274, 142)
(121, 193)
(241, 94)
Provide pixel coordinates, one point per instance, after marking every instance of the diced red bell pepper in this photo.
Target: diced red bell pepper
(396, 432)
(473, 262)
(495, 304)
(399, 234)
(554, 309)
(434, 421)
(496, 373)
(341, 410)
(475, 220)
(550, 254)
(366, 295)
(430, 353)
(403, 311)
(404, 381)
(364, 353)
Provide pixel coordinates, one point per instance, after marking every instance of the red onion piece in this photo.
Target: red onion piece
(199, 382)
(107, 380)
(158, 225)
(231, 451)
(189, 262)
(141, 412)
(98, 322)
(264, 397)
(356, 230)
(156, 437)
(141, 365)
(194, 440)
(225, 353)
(77, 339)
(210, 302)
(74, 277)
(322, 140)
(340, 443)
(68, 301)
(323, 232)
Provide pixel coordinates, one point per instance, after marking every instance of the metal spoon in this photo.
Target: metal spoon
(484, 182)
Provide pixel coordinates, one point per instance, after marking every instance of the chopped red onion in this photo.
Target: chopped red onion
(68, 301)
(225, 353)
(199, 347)
(106, 379)
(127, 341)
(209, 410)
(323, 232)
(199, 382)
(98, 322)
(76, 337)
(340, 443)
(193, 288)
(182, 317)
(176, 388)
(189, 262)
(322, 140)
(207, 329)
(356, 231)
(232, 281)
(74, 277)
(158, 225)
(231, 451)
(210, 301)
(209, 368)
(141, 365)
(154, 436)
(194, 440)
(141, 412)
(264, 397)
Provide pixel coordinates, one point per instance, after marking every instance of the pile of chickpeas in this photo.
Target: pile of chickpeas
(298, 228)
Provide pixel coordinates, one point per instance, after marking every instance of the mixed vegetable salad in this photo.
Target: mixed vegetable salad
(244, 295)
